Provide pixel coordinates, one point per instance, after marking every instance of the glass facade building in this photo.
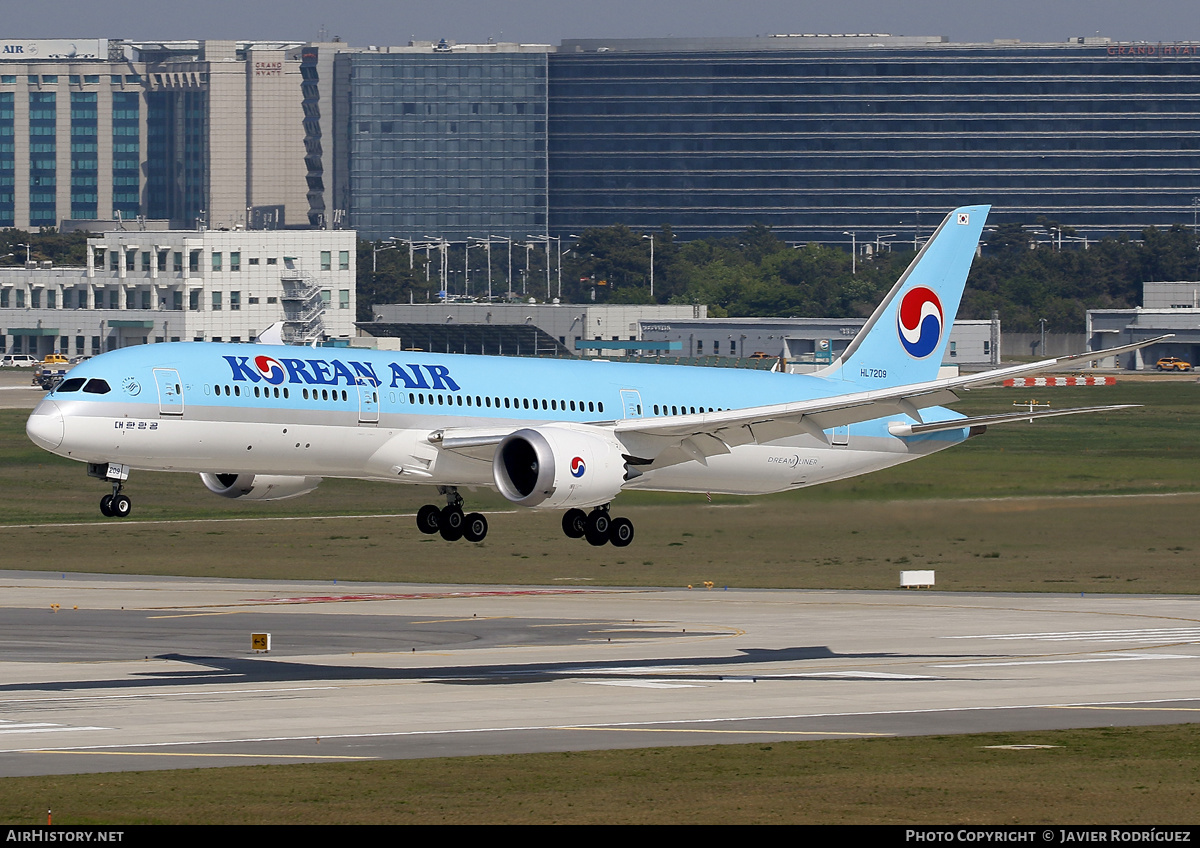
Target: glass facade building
(445, 144)
(178, 162)
(818, 136)
(126, 153)
(183, 132)
(8, 154)
(43, 166)
(85, 167)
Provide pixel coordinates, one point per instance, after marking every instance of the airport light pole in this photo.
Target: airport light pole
(880, 238)
(389, 244)
(486, 243)
(853, 250)
(412, 245)
(443, 246)
(558, 244)
(467, 267)
(509, 243)
(545, 240)
(651, 237)
(525, 272)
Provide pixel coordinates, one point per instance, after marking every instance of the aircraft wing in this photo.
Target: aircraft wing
(668, 440)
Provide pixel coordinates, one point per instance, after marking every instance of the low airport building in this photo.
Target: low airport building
(1169, 308)
(665, 333)
(523, 329)
(806, 344)
(141, 287)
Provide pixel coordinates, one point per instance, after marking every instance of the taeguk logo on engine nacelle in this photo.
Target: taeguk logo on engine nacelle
(271, 370)
(577, 467)
(919, 322)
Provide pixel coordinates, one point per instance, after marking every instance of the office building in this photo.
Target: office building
(442, 140)
(823, 137)
(192, 132)
(852, 138)
(141, 287)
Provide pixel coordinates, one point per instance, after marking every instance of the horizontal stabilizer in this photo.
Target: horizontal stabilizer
(902, 429)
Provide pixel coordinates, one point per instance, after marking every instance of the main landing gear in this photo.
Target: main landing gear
(449, 521)
(598, 527)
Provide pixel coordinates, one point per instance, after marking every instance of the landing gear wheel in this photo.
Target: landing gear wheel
(596, 527)
(121, 506)
(620, 532)
(574, 523)
(475, 527)
(106, 506)
(450, 523)
(428, 517)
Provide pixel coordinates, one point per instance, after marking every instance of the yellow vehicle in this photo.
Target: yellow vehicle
(55, 359)
(1173, 363)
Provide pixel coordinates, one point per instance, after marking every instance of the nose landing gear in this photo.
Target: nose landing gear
(115, 505)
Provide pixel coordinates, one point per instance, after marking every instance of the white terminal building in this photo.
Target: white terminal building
(144, 287)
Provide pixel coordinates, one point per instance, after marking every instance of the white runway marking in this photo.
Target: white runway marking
(863, 675)
(143, 695)
(1174, 634)
(14, 728)
(641, 684)
(123, 523)
(1121, 658)
(667, 724)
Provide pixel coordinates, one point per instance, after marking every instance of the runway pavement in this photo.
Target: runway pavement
(16, 391)
(106, 673)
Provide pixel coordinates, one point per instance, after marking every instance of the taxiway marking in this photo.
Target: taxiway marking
(191, 754)
(1125, 658)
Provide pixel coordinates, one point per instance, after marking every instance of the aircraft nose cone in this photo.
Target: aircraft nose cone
(45, 426)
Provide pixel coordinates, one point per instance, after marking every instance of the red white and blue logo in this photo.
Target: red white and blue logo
(577, 467)
(271, 370)
(919, 322)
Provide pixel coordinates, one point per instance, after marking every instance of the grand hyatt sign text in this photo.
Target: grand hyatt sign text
(1139, 50)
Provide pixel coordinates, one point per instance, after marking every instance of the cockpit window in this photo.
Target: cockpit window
(72, 385)
(96, 386)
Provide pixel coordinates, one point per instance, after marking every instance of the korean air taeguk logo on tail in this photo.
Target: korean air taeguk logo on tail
(919, 322)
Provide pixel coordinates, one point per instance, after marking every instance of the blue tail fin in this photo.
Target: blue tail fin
(905, 338)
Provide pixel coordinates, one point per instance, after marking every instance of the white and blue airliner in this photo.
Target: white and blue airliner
(268, 422)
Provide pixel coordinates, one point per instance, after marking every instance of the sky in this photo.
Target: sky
(396, 22)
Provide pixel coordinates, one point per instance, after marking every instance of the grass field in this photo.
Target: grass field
(1109, 776)
(1082, 504)
(992, 514)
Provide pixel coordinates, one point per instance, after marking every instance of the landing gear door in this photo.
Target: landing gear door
(170, 391)
(368, 402)
(631, 402)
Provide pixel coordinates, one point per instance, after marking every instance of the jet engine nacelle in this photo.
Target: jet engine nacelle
(559, 466)
(259, 487)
